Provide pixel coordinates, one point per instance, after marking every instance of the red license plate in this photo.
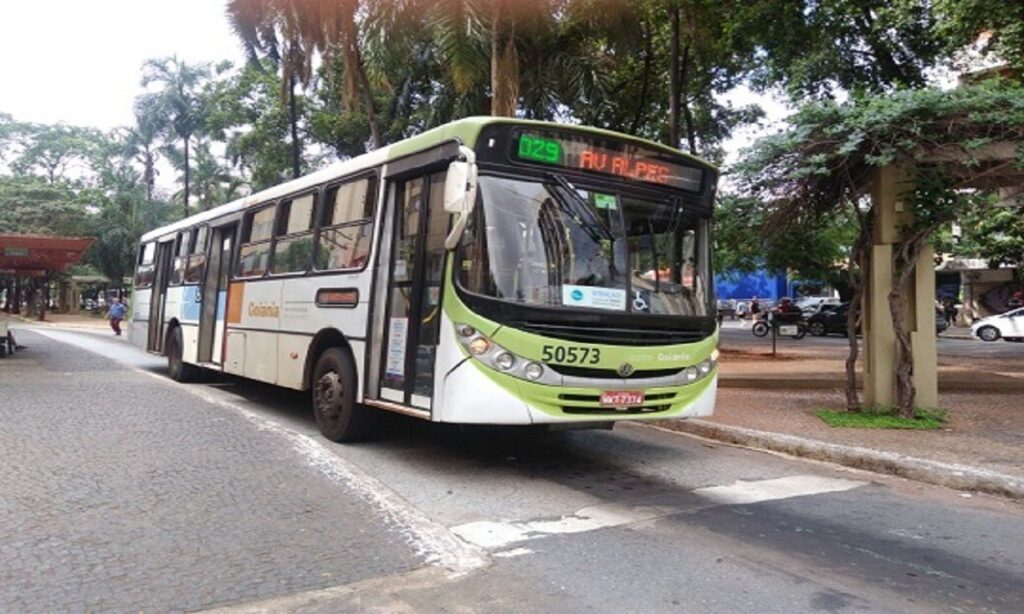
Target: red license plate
(622, 398)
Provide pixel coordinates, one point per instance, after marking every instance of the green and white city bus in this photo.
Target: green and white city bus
(489, 271)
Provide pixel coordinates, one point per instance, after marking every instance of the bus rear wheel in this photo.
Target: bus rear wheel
(177, 368)
(338, 416)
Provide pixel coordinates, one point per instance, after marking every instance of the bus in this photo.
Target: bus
(488, 271)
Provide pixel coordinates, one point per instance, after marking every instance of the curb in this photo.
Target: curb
(959, 477)
(820, 383)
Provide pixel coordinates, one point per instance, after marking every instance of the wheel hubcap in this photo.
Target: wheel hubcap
(328, 395)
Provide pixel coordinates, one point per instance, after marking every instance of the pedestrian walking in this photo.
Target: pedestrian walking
(949, 309)
(755, 308)
(116, 314)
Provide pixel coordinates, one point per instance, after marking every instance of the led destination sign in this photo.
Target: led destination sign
(626, 160)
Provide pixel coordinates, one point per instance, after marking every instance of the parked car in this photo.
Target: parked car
(1009, 326)
(813, 304)
(831, 319)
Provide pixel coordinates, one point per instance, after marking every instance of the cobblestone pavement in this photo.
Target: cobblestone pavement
(120, 493)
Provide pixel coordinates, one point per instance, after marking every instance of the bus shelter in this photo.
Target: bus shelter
(37, 256)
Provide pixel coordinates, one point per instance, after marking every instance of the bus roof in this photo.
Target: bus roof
(464, 130)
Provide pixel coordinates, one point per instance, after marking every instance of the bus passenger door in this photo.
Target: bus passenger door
(161, 277)
(413, 311)
(214, 296)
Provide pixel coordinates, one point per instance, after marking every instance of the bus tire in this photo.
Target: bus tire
(333, 385)
(177, 368)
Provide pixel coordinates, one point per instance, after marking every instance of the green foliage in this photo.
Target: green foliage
(32, 205)
(825, 158)
(858, 46)
(993, 233)
(814, 249)
(883, 418)
(963, 21)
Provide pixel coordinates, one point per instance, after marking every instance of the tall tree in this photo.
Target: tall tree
(816, 49)
(176, 105)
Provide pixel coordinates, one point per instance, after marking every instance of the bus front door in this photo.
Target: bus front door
(161, 277)
(214, 296)
(415, 274)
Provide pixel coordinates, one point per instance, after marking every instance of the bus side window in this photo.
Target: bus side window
(197, 257)
(293, 247)
(144, 273)
(254, 252)
(346, 225)
(180, 258)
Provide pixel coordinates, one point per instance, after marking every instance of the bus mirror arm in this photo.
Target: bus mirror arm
(460, 193)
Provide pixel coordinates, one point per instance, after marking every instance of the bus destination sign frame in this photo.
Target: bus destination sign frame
(626, 160)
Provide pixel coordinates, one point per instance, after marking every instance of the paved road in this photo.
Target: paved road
(949, 348)
(130, 493)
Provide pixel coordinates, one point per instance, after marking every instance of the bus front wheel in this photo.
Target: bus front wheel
(338, 416)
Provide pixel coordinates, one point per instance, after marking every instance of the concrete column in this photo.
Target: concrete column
(878, 335)
(923, 337)
(889, 184)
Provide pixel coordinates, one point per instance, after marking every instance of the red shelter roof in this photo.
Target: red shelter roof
(29, 254)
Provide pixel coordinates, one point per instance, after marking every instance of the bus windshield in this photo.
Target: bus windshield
(551, 243)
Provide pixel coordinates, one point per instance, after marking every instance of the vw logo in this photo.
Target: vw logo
(626, 369)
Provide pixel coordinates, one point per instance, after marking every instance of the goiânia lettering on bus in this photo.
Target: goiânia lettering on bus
(264, 310)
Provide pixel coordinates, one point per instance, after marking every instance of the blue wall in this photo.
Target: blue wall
(762, 284)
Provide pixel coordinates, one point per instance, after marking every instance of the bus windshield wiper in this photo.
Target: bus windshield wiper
(580, 209)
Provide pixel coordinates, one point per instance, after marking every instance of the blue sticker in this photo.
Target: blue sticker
(577, 295)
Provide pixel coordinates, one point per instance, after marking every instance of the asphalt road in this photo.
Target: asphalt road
(949, 348)
(124, 491)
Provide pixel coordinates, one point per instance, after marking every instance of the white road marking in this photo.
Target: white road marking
(492, 534)
(507, 554)
(745, 493)
(429, 539)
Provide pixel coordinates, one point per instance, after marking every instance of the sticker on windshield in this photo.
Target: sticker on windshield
(605, 201)
(596, 297)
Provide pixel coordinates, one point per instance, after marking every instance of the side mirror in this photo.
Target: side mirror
(460, 194)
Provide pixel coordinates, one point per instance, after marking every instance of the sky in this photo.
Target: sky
(79, 61)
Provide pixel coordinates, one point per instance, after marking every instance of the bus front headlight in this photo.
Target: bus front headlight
(479, 346)
(534, 371)
(505, 361)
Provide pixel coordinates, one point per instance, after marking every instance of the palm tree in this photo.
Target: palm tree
(177, 106)
(291, 32)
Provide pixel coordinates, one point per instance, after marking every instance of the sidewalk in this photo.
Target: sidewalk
(769, 404)
(63, 320)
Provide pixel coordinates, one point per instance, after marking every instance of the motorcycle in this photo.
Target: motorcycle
(793, 326)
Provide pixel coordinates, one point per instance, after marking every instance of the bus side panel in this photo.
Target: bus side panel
(255, 311)
(302, 315)
(139, 325)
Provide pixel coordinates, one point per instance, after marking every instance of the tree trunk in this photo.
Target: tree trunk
(674, 94)
(367, 94)
(905, 265)
(504, 63)
(16, 307)
(187, 186)
(641, 105)
(858, 264)
(294, 120)
(691, 136)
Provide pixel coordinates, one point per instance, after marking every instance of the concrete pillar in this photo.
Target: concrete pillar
(922, 338)
(919, 311)
(879, 338)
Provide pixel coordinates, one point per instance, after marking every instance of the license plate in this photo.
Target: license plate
(622, 398)
(787, 330)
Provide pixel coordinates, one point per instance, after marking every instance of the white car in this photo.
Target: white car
(1009, 326)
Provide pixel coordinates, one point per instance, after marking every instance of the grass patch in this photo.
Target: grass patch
(883, 418)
